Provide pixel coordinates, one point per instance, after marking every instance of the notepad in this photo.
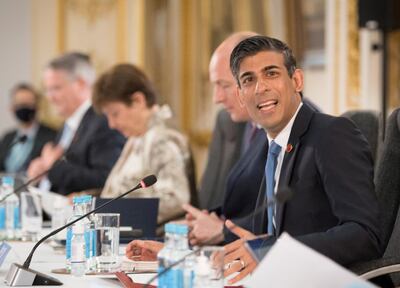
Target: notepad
(131, 266)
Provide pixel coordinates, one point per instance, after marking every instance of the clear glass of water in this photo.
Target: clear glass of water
(106, 244)
(31, 216)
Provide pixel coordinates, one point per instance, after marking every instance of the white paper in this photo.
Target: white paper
(291, 264)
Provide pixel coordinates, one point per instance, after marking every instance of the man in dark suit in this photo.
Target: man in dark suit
(324, 160)
(86, 148)
(225, 188)
(16, 155)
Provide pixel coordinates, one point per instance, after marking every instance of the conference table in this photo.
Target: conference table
(46, 258)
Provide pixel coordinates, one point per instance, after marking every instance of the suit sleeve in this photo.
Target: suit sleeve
(103, 151)
(211, 174)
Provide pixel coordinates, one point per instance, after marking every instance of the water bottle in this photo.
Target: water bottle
(12, 208)
(90, 232)
(78, 253)
(178, 253)
(3, 233)
(77, 211)
(164, 255)
(202, 271)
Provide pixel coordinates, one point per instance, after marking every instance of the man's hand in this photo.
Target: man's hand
(35, 168)
(50, 154)
(140, 250)
(204, 226)
(237, 257)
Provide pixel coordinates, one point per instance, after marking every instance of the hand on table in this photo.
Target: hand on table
(237, 256)
(205, 228)
(143, 250)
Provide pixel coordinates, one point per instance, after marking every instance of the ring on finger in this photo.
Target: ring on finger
(242, 263)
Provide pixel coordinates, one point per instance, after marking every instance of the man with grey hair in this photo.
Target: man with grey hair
(86, 148)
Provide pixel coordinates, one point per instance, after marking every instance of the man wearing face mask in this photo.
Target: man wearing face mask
(19, 146)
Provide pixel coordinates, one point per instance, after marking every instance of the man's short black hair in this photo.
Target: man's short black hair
(253, 45)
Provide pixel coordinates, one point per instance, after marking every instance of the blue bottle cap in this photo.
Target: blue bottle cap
(86, 198)
(169, 228)
(8, 180)
(77, 200)
(181, 229)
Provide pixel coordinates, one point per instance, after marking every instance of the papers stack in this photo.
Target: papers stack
(131, 266)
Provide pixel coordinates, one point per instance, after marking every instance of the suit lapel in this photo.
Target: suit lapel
(300, 126)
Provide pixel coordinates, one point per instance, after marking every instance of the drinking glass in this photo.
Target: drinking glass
(106, 242)
(31, 216)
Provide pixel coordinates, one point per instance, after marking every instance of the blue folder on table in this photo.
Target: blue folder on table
(138, 213)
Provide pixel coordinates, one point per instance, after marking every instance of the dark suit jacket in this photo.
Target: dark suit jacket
(224, 151)
(243, 184)
(90, 157)
(44, 134)
(334, 209)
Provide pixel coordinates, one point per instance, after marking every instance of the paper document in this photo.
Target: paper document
(291, 264)
(128, 265)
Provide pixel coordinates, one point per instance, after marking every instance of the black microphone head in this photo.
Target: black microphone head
(284, 194)
(22, 139)
(148, 181)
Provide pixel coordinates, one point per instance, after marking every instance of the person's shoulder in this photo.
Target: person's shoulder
(163, 133)
(329, 129)
(9, 134)
(47, 129)
(326, 120)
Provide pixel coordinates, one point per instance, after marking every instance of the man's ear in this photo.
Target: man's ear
(298, 80)
(80, 83)
(239, 96)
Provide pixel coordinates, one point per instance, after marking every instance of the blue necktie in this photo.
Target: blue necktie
(270, 167)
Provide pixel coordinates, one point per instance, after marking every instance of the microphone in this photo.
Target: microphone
(283, 195)
(22, 275)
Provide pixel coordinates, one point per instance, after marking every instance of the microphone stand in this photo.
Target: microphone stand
(32, 180)
(24, 185)
(22, 275)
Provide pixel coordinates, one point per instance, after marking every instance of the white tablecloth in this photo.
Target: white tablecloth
(46, 259)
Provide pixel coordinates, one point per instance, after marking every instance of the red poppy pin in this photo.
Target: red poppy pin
(289, 148)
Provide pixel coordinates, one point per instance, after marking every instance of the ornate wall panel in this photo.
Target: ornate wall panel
(96, 27)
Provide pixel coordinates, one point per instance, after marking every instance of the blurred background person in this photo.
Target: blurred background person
(16, 151)
(86, 148)
(128, 99)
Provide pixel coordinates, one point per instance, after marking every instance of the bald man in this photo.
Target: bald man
(228, 140)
